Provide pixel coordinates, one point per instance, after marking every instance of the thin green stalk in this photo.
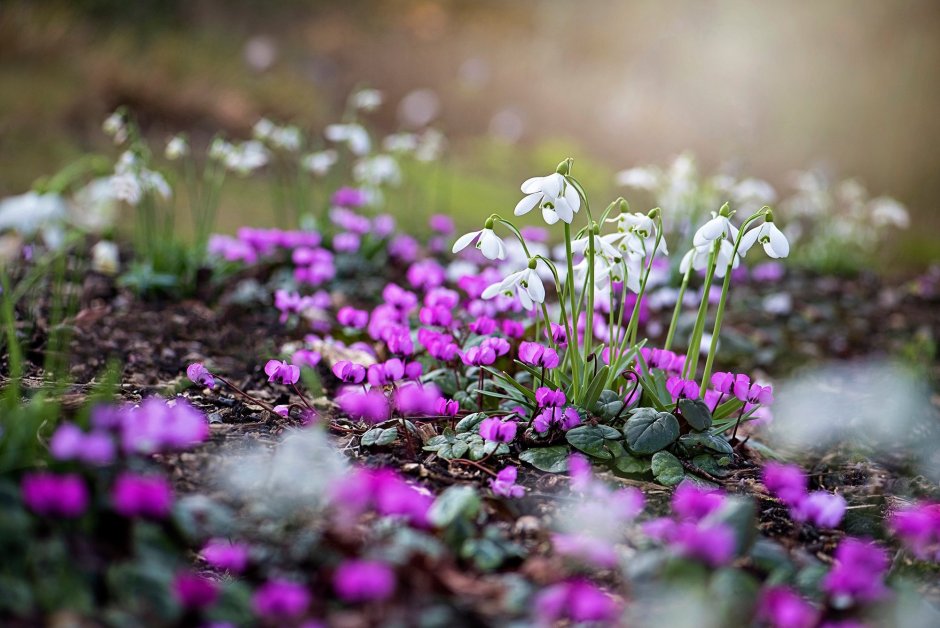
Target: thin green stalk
(572, 331)
(678, 309)
(691, 357)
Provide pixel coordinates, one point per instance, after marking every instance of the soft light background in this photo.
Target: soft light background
(768, 87)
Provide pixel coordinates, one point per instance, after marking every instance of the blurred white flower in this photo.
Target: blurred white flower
(320, 163)
(642, 178)
(104, 257)
(887, 211)
(93, 207)
(246, 157)
(377, 170)
(28, 213)
(431, 145)
(263, 129)
(115, 127)
(176, 148)
(353, 135)
(526, 283)
(366, 99)
(400, 143)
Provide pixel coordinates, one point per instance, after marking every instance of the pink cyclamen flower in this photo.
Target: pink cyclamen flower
(918, 527)
(723, 382)
(499, 431)
(447, 407)
(682, 388)
(158, 425)
(483, 326)
(194, 591)
(549, 397)
(442, 224)
(712, 544)
(781, 607)
(95, 448)
(280, 600)
(199, 374)
(438, 315)
(147, 496)
(385, 373)
(820, 508)
(351, 317)
(513, 329)
(785, 481)
(553, 416)
(499, 345)
(478, 356)
(346, 242)
(593, 550)
(306, 358)
(349, 372)
(558, 335)
(414, 399)
(858, 575)
(282, 372)
(538, 355)
(575, 600)
(223, 554)
(504, 484)
(693, 503)
(369, 405)
(349, 197)
(364, 581)
(55, 495)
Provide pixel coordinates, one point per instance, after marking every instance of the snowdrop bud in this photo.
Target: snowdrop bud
(624, 206)
(564, 167)
(655, 213)
(104, 257)
(725, 210)
(533, 262)
(490, 222)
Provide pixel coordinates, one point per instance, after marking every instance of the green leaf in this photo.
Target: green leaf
(379, 437)
(457, 502)
(609, 405)
(648, 431)
(591, 439)
(470, 421)
(667, 469)
(698, 441)
(636, 465)
(551, 459)
(728, 408)
(457, 450)
(708, 464)
(593, 391)
(508, 383)
(696, 413)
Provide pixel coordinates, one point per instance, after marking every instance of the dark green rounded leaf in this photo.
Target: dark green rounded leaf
(649, 432)
(591, 439)
(696, 413)
(628, 463)
(705, 441)
(551, 459)
(667, 469)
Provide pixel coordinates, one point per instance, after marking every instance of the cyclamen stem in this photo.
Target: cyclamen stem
(241, 392)
(302, 397)
(475, 464)
(678, 308)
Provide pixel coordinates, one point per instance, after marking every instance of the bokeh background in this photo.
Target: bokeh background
(761, 88)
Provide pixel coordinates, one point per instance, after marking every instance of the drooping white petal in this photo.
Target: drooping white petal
(465, 240)
(748, 240)
(552, 185)
(491, 245)
(527, 203)
(549, 215)
(563, 209)
(710, 231)
(574, 199)
(778, 246)
(536, 288)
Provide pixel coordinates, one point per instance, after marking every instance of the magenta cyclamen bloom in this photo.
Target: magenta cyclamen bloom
(784, 608)
(499, 345)
(280, 600)
(712, 544)
(157, 425)
(199, 374)
(682, 388)
(369, 405)
(385, 373)
(918, 527)
(693, 503)
(535, 354)
(546, 397)
(447, 407)
(348, 372)
(478, 356)
(442, 224)
(504, 484)
(306, 358)
(142, 496)
(415, 399)
(71, 443)
(753, 393)
(558, 335)
(823, 509)
(384, 491)
(723, 382)
(223, 554)
(858, 575)
(496, 430)
(364, 581)
(577, 601)
(483, 326)
(662, 359)
(349, 197)
(351, 317)
(513, 329)
(553, 416)
(282, 372)
(55, 495)
(786, 481)
(437, 315)
(194, 591)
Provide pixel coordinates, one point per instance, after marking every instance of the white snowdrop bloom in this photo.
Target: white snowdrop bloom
(104, 257)
(400, 143)
(780, 303)
(377, 170)
(126, 187)
(525, 283)
(263, 129)
(93, 207)
(553, 195)
(247, 157)
(490, 244)
(176, 148)
(431, 145)
(115, 127)
(718, 227)
(887, 211)
(642, 178)
(319, 163)
(774, 242)
(602, 246)
(753, 190)
(28, 213)
(220, 149)
(286, 138)
(153, 181)
(353, 135)
(698, 258)
(366, 99)
(634, 231)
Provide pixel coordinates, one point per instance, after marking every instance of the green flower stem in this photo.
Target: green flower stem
(678, 308)
(571, 325)
(719, 315)
(691, 356)
(589, 314)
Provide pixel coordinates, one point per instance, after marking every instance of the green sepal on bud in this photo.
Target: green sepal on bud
(595, 228)
(654, 213)
(490, 222)
(564, 167)
(768, 215)
(725, 210)
(624, 206)
(533, 262)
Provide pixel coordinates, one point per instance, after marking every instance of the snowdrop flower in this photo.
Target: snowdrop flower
(431, 145)
(697, 258)
(774, 242)
(353, 135)
(490, 244)
(602, 246)
(366, 99)
(887, 211)
(319, 163)
(176, 148)
(286, 138)
(634, 231)
(263, 129)
(105, 258)
(526, 283)
(246, 157)
(400, 143)
(718, 227)
(115, 127)
(553, 195)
